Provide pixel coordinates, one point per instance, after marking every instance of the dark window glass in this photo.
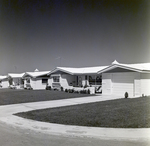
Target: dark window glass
(56, 79)
(44, 81)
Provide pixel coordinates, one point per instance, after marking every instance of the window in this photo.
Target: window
(44, 81)
(95, 80)
(56, 79)
(86, 77)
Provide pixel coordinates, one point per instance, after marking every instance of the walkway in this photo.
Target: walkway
(7, 111)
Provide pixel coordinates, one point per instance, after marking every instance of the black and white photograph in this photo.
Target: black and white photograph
(74, 72)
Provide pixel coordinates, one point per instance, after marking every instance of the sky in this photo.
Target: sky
(44, 34)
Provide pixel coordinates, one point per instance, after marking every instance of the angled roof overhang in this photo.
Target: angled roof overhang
(13, 75)
(78, 71)
(3, 78)
(60, 69)
(122, 66)
(36, 74)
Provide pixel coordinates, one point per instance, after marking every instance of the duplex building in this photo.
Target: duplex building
(36, 80)
(4, 82)
(67, 77)
(16, 80)
(119, 78)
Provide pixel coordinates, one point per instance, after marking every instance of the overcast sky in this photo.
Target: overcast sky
(73, 33)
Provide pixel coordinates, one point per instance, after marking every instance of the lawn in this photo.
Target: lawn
(120, 113)
(12, 96)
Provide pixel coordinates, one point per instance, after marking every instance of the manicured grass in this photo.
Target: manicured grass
(12, 96)
(120, 113)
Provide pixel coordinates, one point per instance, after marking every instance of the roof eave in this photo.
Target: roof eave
(118, 66)
(58, 69)
(28, 75)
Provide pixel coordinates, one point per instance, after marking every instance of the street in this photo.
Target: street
(14, 136)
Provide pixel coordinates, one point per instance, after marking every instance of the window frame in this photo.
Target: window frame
(44, 81)
(56, 79)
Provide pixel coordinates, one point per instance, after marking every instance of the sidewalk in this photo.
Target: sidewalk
(6, 116)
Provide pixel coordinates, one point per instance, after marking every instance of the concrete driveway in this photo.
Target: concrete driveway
(7, 111)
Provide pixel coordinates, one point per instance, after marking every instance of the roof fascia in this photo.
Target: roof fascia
(58, 69)
(26, 75)
(118, 66)
(144, 71)
(86, 73)
(41, 75)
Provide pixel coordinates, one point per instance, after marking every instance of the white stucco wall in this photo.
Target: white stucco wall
(134, 83)
(67, 80)
(5, 83)
(137, 85)
(50, 81)
(37, 84)
(106, 83)
(145, 84)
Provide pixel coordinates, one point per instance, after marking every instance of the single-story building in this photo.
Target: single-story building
(15, 80)
(131, 78)
(75, 77)
(36, 80)
(4, 82)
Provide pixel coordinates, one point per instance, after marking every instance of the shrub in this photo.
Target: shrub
(88, 91)
(85, 86)
(66, 90)
(83, 91)
(48, 87)
(126, 95)
(55, 89)
(71, 90)
(61, 88)
(76, 91)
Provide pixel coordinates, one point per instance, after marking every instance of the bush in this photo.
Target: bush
(71, 90)
(76, 91)
(83, 91)
(88, 91)
(48, 87)
(61, 88)
(126, 95)
(66, 90)
(85, 86)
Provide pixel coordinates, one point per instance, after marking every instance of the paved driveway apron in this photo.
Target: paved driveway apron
(7, 111)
